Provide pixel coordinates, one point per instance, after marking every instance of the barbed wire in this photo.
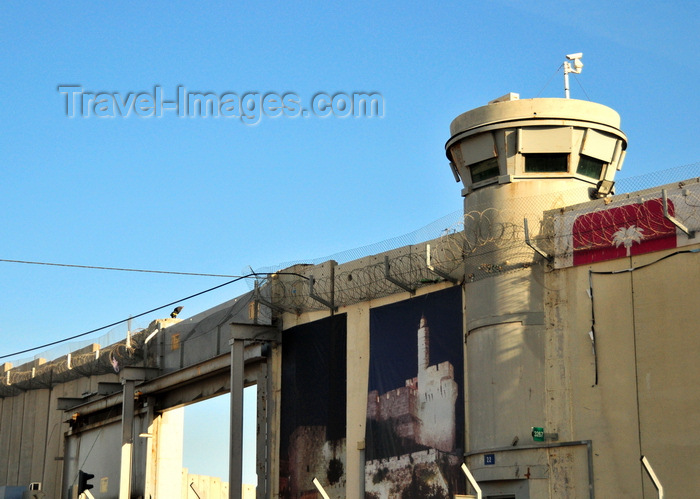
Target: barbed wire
(483, 243)
(491, 241)
(88, 361)
(132, 348)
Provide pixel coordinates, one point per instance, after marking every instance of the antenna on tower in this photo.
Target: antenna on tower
(568, 68)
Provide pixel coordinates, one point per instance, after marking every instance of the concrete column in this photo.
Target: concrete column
(169, 453)
(127, 439)
(235, 474)
(261, 464)
(149, 486)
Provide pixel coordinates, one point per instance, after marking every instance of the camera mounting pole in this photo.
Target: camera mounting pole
(578, 65)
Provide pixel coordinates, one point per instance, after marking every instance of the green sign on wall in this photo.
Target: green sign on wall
(538, 434)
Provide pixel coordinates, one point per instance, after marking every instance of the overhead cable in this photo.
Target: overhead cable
(125, 320)
(91, 267)
(236, 279)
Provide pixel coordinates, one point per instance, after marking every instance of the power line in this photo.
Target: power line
(132, 317)
(92, 267)
(236, 279)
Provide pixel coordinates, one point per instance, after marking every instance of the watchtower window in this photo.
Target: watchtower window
(546, 163)
(484, 170)
(590, 167)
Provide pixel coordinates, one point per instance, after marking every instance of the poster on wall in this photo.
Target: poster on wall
(623, 228)
(415, 403)
(313, 406)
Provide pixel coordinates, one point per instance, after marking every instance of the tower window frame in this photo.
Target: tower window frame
(590, 167)
(550, 162)
(482, 171)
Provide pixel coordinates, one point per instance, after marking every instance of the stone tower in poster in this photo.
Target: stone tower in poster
(436, 395)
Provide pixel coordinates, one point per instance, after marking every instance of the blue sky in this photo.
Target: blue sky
(214, 195)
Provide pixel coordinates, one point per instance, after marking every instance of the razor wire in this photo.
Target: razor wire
(132, 348)
(453, 221)
(88, 361)
(355, 283)
(484, 242)
(638, 218)
(488, 241)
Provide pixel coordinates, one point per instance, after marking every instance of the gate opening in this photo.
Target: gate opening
(206, 438)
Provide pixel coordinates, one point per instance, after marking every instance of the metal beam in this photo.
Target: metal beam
(672, 219)
(322, 301)
(170, 381)
(320, 488)
(654, 478)
(471, 479)
(235, 473)
(134, 373)
(529, 242)
(273, 371)
(388, 277)
(261, 458)
(68, 403)
(254, 332)
(127, 439)
(438, 272)
(105, 388)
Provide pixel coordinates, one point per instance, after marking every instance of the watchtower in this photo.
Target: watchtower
(517, 159)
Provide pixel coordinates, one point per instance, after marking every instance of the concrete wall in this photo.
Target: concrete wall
(646, 401)
(167, 445)
(41, 441)
(32, 433)
(529, 362)
(207, 487)
(519, 375)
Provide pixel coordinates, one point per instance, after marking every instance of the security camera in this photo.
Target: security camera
(575, 56)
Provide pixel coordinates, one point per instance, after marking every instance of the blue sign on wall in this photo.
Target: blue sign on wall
(489, 459)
